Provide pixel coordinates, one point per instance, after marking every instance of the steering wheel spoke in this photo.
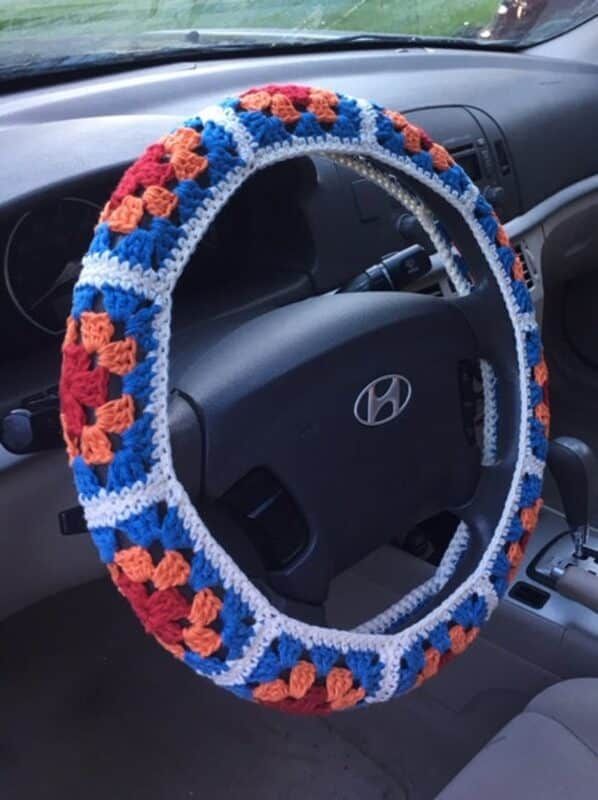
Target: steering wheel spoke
(355, 405)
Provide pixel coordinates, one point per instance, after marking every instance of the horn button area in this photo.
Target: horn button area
(327, 428)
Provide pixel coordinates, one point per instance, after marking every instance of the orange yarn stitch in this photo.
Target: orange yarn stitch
(412, 136)
(502, 237)
(204, 641)
(187, 138)
(432, 664)
(542, 413)
(458, 637)
(256, 101)
(339, 681)
(348, 700)
(282, 108)
(301, 679)
(320, 103)
(398, 120)
(136, 563)
(119, 357)
(187, 165)
(541, 373)
(71, 442)
(96, 330)
(529, 516)
(515, 555)
(114, 573)
(441, 158)
(173, 570)
(159, 202)
(117, 415)
(205, 607)
(71, 335)
(95, 445)
(127, 216)
(272, 691)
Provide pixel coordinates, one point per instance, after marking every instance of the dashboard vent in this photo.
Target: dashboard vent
(502, 157)
(529, 278)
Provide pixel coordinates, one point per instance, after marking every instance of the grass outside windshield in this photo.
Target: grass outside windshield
(421, 17)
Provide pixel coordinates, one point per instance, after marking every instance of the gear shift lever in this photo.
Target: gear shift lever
(575, 470)
(573, 574)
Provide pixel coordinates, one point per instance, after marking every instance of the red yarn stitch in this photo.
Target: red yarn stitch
(148, 170)
(314, 703)
(298, 95)
(80, 386)
(159, 612)
(425, 140)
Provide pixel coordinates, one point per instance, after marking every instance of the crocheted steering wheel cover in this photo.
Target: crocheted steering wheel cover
(187, 592)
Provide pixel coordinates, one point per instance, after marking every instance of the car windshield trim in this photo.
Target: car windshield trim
(51, 70)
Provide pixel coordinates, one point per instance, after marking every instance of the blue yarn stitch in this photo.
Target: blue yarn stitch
(538, 439)
(140, 327)
(412, 663)
(265, 130)
(308, 125)
(289, 650)
(367, 668)
(84, 298)
(439, 638)
(142, 529)
(86, 480)
(173, 534)
(536, 393)
(323, 658)
(522, 296)
(136, 248)
(482, 207)
(195, 123)
(515, 531)
(235, 631)
(507, 259)
(138, 381)
(387, 136)
(105, 542)
(531, 490)
(533, 348)
(126, 469)
(348, 123)
(424, 161)
(205, 666)
(120, 303)
(102, 239)
(203, 573)
(191, 197)
(471, 613)
(267, 669)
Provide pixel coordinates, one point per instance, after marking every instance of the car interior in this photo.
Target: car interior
(313, 462)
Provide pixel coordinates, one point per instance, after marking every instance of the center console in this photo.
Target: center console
(559, 577)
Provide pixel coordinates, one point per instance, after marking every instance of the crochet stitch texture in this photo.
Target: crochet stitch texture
(184, 588)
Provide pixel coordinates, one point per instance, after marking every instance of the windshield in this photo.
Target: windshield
(39, 36)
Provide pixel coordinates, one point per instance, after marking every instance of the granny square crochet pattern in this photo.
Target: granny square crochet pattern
(186, 591)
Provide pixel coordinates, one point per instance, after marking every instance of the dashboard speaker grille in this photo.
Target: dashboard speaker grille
(529, 278)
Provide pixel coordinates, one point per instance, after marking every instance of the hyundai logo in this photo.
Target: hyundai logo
(382, 400)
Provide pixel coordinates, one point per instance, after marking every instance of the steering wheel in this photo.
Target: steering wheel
(357, 407)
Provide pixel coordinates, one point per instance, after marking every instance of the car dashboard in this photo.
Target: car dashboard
(520, 125)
